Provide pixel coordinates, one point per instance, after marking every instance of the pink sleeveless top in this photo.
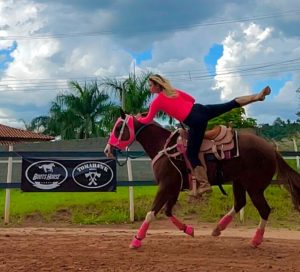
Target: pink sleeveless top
(177, 107)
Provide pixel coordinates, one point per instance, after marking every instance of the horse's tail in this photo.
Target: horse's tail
(288, 175)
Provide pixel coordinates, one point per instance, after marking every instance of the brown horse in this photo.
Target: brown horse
(251, 172)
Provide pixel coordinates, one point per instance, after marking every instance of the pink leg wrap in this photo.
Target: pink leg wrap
(141, 234)
(224, 222)
(189, 230)
(258, 237)
(177, 223)
(135, 243)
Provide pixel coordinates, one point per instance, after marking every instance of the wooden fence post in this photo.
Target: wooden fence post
(7, 190)
(130, 190)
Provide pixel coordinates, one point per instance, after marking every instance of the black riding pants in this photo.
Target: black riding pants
(197, 121)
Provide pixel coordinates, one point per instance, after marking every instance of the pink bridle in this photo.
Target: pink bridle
(117, 141)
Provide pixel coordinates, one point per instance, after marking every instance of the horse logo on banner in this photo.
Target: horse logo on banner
(46, 175)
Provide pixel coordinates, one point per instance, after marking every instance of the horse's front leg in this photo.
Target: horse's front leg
(223, 223)
(189, 230)
(159, 201)
(141, 233)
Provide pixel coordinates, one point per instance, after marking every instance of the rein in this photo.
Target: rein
(177, 148)
(166, 151)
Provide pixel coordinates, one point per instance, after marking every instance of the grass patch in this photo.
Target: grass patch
(213, 207)
(77, 208)
(110, 208)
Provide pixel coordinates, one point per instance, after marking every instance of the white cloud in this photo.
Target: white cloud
(178, 44)
(240, 46)
(253, 44)
(7, 118)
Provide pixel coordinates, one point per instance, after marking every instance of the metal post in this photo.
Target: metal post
(7, 190)
(123, 99)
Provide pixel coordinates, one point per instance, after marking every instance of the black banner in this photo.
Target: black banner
(68, 175)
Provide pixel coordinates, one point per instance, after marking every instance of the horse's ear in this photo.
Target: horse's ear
(122, 113)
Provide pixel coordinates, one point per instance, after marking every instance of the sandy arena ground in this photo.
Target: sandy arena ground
(164, 249)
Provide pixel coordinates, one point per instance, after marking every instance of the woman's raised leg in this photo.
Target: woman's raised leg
(248, 99)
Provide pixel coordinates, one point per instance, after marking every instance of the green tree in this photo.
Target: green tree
(132, 92)
(82, 112)
(236, 118)
(38, 124)
(280, 129)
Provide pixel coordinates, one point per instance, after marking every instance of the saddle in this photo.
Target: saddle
(219, 141)
(216, 141)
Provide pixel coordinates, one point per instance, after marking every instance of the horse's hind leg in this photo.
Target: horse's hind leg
(189, 230)
(259, 201)
(239, 194)
(159, 201)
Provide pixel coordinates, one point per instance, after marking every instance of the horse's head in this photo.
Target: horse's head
(122, 135)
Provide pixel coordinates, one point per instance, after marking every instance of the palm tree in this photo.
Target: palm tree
(82, 113)
(134, 95)
(132, 92)
(38, 124)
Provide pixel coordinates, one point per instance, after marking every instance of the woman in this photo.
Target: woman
(182, 106)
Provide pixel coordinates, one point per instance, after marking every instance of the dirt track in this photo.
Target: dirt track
(106, 249)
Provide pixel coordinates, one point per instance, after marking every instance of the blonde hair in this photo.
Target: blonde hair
(164, 84)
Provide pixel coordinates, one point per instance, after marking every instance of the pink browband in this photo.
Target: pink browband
(118, 142)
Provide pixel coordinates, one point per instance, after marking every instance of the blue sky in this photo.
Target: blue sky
(211, 59)
(215, 57)
(142, 56)
(5, 56)
(215, 52)
(276, 84)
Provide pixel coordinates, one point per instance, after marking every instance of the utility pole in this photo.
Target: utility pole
(123, 99)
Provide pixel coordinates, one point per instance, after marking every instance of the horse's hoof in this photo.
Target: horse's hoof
(189, 230)
(258, 238)
(135, 243)
(216, 231)
(254, 244)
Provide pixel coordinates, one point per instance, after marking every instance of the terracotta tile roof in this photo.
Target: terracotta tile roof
(9, 135)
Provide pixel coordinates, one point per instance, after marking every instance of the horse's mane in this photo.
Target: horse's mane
(156, 124)
(153, 122)
(154, 129)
